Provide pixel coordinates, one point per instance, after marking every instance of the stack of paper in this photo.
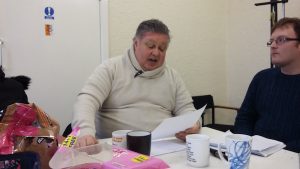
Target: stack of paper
(264, 147)
(159, 147)
(163, 140)
(260, 145)
(170, 126)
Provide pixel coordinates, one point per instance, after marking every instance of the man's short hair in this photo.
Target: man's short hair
(152, 25)
(294, 22)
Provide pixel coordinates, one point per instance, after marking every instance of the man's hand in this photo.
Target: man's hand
(85, 141)
(193, 130)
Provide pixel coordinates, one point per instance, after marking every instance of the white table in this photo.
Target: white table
(281, 160)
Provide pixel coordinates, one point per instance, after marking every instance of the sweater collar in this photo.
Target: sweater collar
(136, 66)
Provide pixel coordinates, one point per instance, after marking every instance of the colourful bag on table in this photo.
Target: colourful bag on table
(25, 127)
(22, 160)
(123, 158)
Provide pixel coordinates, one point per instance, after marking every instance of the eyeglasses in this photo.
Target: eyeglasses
(281, 40)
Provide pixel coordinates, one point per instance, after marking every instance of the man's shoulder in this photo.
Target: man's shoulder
(114, 60)
(267, 72)
(174, 76)
(265, 75)
(170, 69)
(171, 72)
(111, 63)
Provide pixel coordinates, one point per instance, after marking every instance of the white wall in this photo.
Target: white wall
(217, 46)
(248, 31)
(59, 64)
(197, 49)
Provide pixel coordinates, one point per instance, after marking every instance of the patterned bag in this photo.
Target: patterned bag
(25, 127)
(23, 160)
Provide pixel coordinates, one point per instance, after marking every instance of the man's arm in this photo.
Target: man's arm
(183, 99)
(247, 114)
(184, 104)
(90, 100)
(244, 123)
(293, 146)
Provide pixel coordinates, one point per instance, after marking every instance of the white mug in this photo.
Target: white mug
(238, 150)
(197, 149)
(119, 138)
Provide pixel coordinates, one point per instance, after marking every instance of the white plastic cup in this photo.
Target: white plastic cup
(238, 150)
(119, 138)
(197, 149)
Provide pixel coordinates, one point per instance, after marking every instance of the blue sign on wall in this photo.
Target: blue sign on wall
(49, 13)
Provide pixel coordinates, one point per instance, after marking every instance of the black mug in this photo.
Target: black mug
(139, 141)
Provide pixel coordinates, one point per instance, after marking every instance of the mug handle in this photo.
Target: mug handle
(221, 154)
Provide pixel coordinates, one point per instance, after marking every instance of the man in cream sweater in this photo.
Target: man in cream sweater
(135, 91)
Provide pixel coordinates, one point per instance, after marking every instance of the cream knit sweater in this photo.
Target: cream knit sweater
(112, 99)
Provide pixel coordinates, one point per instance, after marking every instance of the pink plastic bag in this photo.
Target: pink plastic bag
(123, 158)
(16, 122)
(25, 127)
(87, 166)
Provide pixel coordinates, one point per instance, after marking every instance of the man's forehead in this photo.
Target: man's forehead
(154, 35)
(284, 30)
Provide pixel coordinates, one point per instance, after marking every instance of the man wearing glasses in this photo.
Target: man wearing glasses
(271, 107)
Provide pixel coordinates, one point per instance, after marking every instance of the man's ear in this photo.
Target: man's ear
(298, 46)
(135, 41)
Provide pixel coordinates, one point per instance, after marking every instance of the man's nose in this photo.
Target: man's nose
(274, 44)
(155, 52)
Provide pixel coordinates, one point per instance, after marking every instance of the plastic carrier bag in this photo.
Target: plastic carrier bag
(22, 160)
(25, 127)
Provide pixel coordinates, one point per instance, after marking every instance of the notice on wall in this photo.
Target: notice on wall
(48, 29)
(49, 13)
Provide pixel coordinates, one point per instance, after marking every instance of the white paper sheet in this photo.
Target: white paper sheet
(169, 127)
(159, 147)
(260, 145)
